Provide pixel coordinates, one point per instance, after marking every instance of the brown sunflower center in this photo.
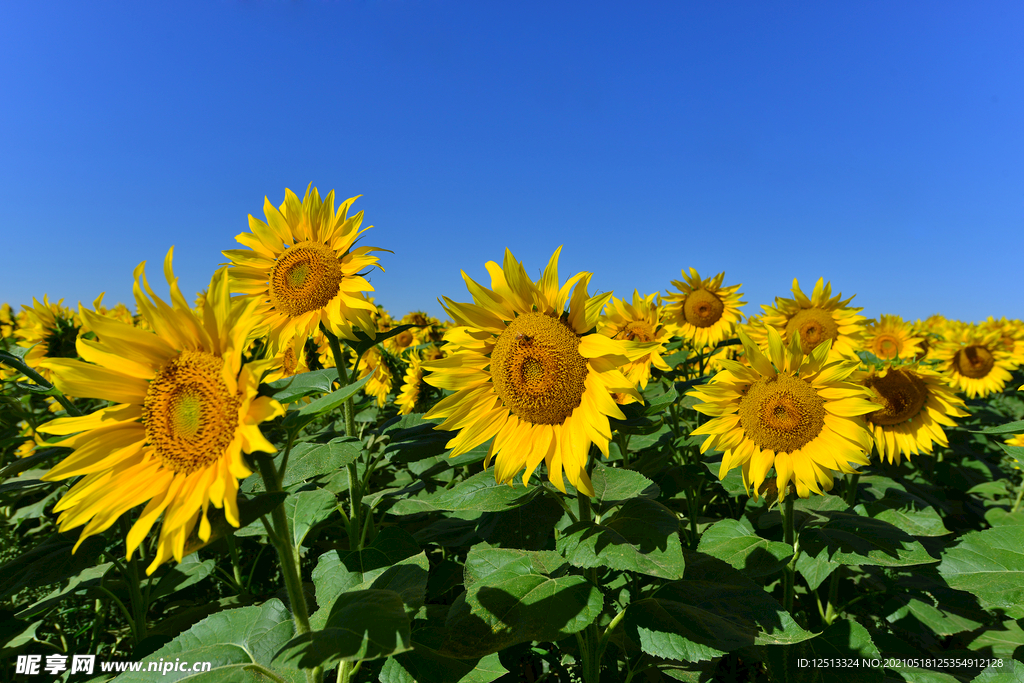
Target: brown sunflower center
(189, 414)
(537, 369)
(974, 361)
(702, 308)
(815, 325)
(886, 346)
(637, 330)
(403, 338)
(901, 394)
(782, 413)
(305, 278)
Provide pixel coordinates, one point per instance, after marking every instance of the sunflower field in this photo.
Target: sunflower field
(279, 481)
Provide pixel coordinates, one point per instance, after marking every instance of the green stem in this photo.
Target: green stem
(591, 654)
(124, 610)
(832, 610)
(288, 555)
(139, 606)
(1020, 496)
(41, 381)
(790, 571)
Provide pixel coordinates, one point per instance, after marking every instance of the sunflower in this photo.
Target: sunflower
(916, 405)
(185, 408)
(412, 385)
(702, 311)
(303, 270)
(819, 318)
(289, 360)
(789, 410)
(374, 363)
(639, 321)
(7, 321)
(975, 362)
(531, 375)
(49, 330)
(890, 337)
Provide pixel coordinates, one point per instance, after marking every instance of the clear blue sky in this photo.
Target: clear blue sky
(877, 144)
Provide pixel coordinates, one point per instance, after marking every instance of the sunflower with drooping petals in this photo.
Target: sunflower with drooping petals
(789, 410)
(638, 321)
(412, 385)
(975, 362)
(185, 409)
(374, 364)
(818, 318)
(302, 268)
(530, 374)
(702, 311)
(890, 337)
(916, 403)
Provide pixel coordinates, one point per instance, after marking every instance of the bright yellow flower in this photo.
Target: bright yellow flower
(51, 330)
(531, 375)
(702, 311)
(640, 321)
(373, 363)
(302, 269)
(822, 317)
(794, 412)
(975, 363)
(916, 405)
(412, 385)
(889, 338)
(185, 409)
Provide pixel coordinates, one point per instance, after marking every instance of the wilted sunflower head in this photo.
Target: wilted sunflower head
(302, 267)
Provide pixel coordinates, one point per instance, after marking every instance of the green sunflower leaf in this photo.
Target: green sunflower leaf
(736, 543)
(613, 485)
(990, 565)
(291, 389)
(365, 624)
(1011, 671)
(424, 665)
(1009, 428)
(642, 536)
(327, 403)
(511, 597)
(844, 641)
(479, 493)
(712, 610)
(853, 539)
(238, 643)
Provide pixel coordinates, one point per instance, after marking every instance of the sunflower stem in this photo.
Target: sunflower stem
(832, 610)
(1020, 496)
(591, 654)
(288, 555)
(139, 607)
(790, 571)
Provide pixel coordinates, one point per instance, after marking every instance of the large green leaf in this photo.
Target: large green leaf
(713, 609)
(1006, 640)
(327, 403)
(854, 539)
(305, 509)
(515, 596)
(827, 658)
(735, 542)
(424, 665)
(310, 460)
(366, 624)
(527, 527)
(613, 485)
(332, 578)
(479, 493)
(290, 389)
(990, 565)
(1010, 671)
(642, 536)
(181, 575)
(239, 643)
(49, 562)
(81, 582)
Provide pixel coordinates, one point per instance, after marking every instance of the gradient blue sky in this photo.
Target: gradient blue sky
(877, 144)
